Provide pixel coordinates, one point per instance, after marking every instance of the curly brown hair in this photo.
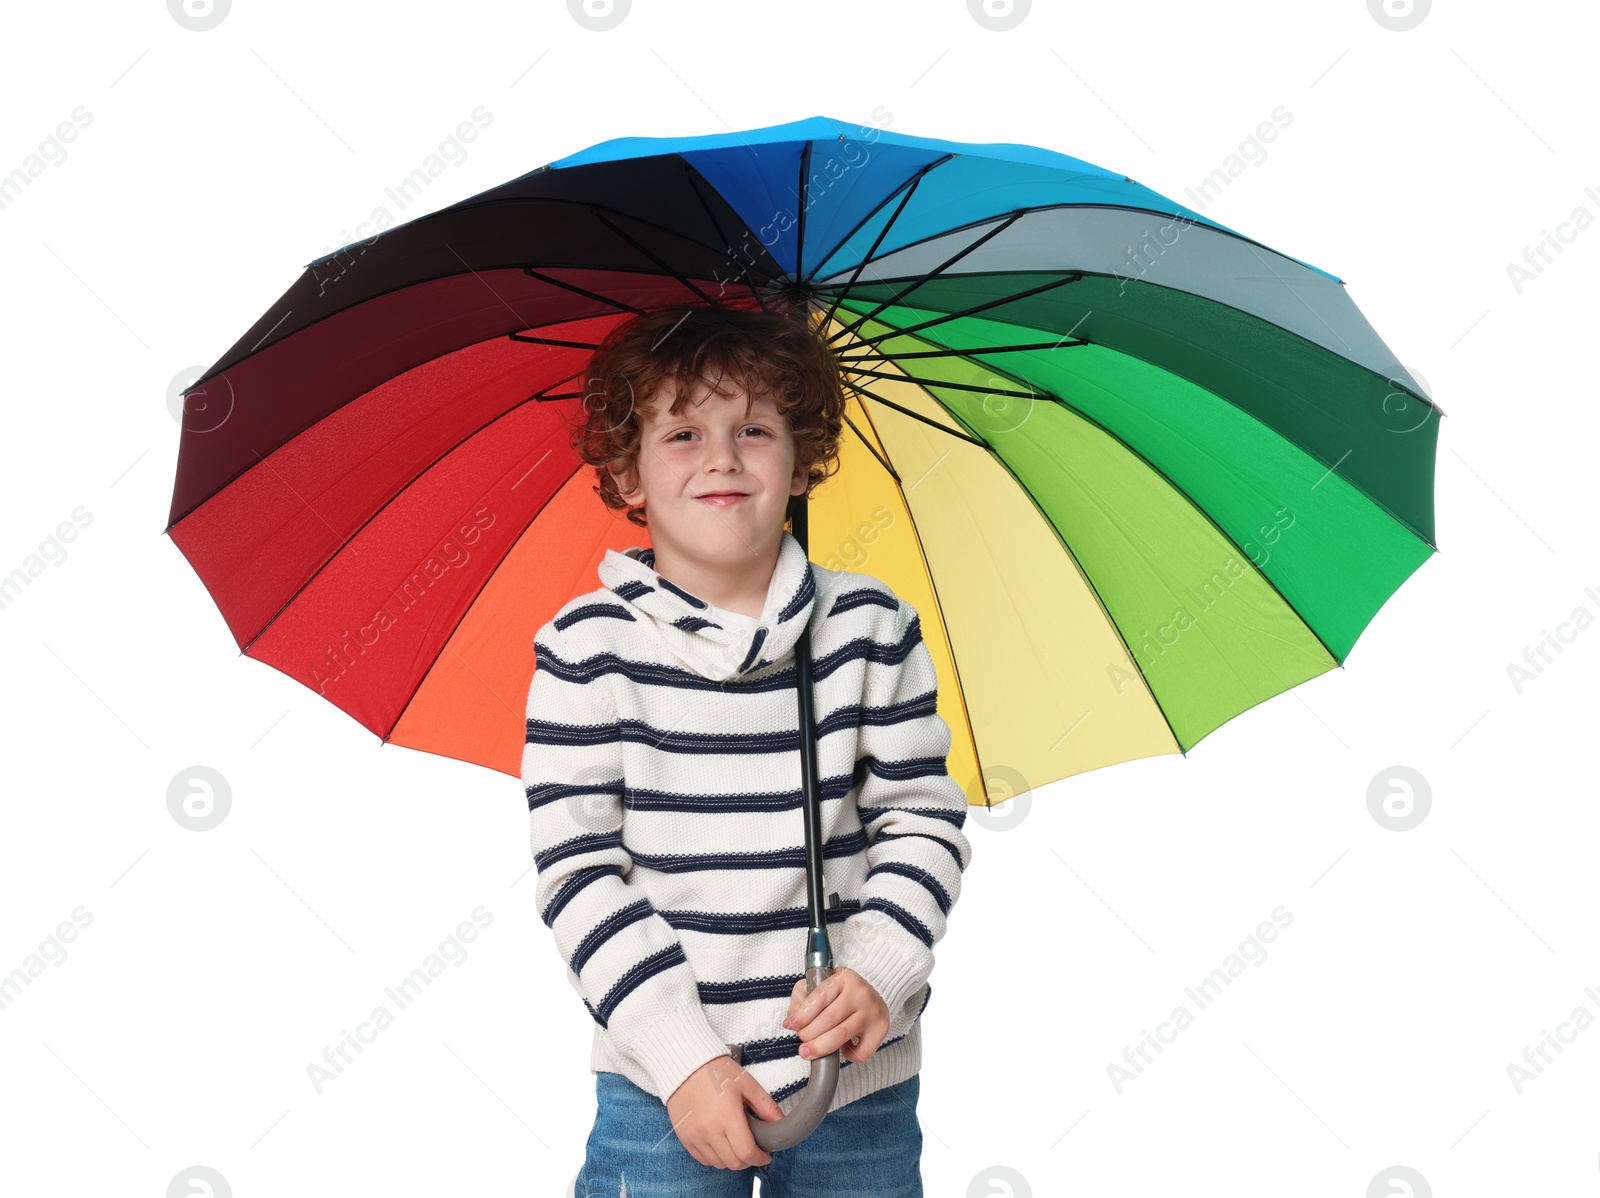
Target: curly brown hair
(767, 352)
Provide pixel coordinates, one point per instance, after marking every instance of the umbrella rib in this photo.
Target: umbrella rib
(1072, 277)
(805, 189)
(882, 233)
(919, 416)
(962, 353)
(872, 449)
(744, 268)
(909, 186)
(950, 261)
(594, 295)
(543, 393)
(594, 211)
(515, 336)
(931, 383)
(650, 224)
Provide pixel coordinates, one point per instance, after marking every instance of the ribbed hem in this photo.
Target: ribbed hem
(894, 975)
(674, 1047)
(888, 1067)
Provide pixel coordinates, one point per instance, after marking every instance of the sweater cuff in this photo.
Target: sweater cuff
(675, 1046)
(893, 974)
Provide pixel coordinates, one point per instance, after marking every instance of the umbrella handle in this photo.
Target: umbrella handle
(815, 1099)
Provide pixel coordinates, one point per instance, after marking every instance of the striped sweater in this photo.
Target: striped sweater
(662, 770)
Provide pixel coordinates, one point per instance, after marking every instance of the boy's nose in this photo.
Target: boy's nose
(722, 451)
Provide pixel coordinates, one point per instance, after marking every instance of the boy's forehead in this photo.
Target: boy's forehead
(730, 392)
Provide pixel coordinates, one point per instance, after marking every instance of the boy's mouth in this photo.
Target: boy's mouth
(721, 498)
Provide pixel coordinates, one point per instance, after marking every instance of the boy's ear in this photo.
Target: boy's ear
(623, 482)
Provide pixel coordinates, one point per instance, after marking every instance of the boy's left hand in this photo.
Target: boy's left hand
(842, 1009)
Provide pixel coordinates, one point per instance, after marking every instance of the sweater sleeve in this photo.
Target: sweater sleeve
(625, 959)
(913, 813)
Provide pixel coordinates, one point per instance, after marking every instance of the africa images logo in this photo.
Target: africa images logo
(452, 553)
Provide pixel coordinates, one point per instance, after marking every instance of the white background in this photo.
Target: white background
(1379, 1028)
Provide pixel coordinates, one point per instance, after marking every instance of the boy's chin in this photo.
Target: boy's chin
(721, 536)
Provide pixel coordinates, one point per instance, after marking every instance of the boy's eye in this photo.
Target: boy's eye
(684, 432)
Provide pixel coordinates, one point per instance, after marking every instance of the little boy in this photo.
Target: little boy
(662, 770)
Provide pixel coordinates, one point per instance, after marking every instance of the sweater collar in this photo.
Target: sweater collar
(686, 624)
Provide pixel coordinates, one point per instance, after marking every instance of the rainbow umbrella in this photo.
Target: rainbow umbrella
(1136, 471)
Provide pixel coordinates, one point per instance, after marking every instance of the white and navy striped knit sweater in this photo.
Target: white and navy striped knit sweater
(662, 769)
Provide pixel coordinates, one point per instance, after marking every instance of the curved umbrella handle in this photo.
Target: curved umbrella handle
(815, 1099)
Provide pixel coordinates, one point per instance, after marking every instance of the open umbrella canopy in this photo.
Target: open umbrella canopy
(1136, 471)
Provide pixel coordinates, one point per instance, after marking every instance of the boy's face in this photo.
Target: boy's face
(716, 481)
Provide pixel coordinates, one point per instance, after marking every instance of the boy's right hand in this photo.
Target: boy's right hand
(708, 1113)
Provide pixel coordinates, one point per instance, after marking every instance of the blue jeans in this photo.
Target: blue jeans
(869, 1148)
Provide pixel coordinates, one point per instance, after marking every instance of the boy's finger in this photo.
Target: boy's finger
(837, 1039)
(744, 1148)
(768, 1111)
(756, 1097)
(811, 1004)
(813, 1023)
(722, 1152)
(797, 995)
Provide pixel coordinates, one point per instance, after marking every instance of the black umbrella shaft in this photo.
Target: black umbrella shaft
(810, 785)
